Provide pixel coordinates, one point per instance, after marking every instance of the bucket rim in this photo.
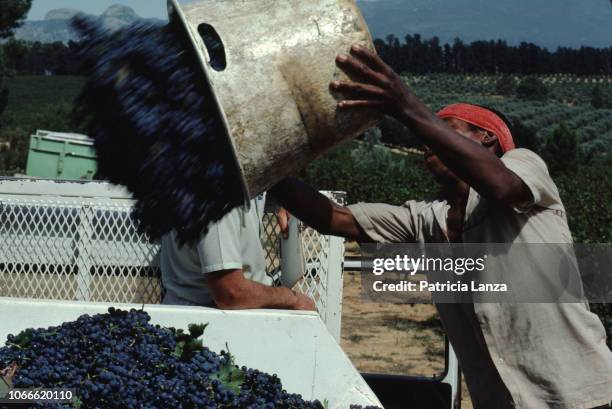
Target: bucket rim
(175, 8)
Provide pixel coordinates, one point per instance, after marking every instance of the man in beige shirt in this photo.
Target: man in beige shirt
(513, 355)
(226, 268)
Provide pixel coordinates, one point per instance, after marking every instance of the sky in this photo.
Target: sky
(144, 8)
(569, 24)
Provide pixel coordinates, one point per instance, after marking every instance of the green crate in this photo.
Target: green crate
(56, 155)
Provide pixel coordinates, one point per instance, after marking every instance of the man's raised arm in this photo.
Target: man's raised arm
(375, 85)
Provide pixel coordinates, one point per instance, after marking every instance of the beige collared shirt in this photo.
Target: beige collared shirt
(529, 356)
(232, 243)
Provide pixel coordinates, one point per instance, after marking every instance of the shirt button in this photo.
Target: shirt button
(501, 360)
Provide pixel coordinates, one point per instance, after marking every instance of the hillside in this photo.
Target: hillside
(56, 25)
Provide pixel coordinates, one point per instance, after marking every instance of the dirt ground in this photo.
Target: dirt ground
(391, 338)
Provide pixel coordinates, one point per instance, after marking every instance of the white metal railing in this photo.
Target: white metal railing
(76, 240)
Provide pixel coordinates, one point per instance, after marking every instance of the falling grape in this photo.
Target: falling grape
(156, 127)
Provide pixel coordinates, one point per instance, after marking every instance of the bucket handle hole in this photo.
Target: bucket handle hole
(214, 45)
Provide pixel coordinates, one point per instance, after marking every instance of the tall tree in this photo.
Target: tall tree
(418, 55)
(12, 14)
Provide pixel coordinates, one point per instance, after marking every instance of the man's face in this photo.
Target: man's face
(440, 172)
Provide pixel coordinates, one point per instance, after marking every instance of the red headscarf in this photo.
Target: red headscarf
(482, 118)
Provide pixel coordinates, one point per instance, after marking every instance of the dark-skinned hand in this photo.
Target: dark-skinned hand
(373, 84)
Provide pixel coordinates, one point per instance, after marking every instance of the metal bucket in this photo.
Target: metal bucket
(269, 64)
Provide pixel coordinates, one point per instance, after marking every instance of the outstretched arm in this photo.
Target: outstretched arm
(374, 84)
(317, 211)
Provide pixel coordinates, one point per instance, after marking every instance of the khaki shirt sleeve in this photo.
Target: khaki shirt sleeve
(384, 223)
(533, 171)
(220, 249)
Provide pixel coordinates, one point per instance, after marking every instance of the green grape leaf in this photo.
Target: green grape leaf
(188, 344)
(197, 330)
(24, 338)
(178, 350)
(230, 376)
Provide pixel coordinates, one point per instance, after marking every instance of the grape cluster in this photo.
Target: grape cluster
(156, 127)
(120, 360)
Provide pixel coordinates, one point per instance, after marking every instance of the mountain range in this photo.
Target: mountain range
(548, 23)
(56, 27)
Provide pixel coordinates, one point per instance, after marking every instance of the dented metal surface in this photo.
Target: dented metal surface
(274, 92)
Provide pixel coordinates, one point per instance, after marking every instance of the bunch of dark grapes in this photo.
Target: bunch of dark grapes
(120, 360)
(156, 127)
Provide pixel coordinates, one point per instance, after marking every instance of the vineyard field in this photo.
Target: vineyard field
(30, 96)
(569, 100)
(41, 102)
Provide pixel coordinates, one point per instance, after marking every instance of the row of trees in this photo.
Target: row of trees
(414, 55)
(24, 58)
(420, 56)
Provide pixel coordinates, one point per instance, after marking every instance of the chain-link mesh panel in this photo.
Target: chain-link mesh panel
(270, 240)
(75, 251)
(315, 251)
(316, 256)
(70, 249)
(314, 248)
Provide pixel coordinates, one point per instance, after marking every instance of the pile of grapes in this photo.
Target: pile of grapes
(156, 127)
(120, 360)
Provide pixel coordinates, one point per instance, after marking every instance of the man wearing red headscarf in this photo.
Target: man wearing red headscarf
(527, 356)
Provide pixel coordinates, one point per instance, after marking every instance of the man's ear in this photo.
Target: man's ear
(489, 139)
(491, 142)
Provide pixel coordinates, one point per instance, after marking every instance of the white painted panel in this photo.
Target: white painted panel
(294, 345)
